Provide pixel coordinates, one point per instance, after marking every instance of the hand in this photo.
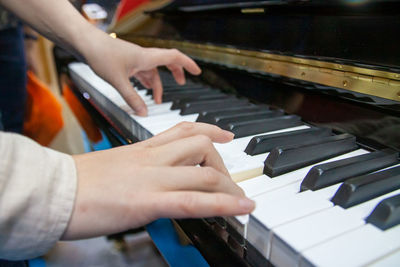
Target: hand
(116, 60)
(130, 186)
(112, 59)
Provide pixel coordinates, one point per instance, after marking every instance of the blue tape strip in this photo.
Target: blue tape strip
(38, 262)
(166, 239)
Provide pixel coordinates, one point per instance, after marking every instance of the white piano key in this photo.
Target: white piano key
(240, 165)
(239, 145)
(86, 73)
(391, 260)
(268, 191)
(244, 167)
(261, 184)
(142, 93)
(158, 109)
(296, 236)
(273, 214)
(275, 194)
(271, 208)
(355, 248)
(148, 101)
(118, 100)
(149, 121)
(264, 183)
(243, 219)
(283, 189)
(163, 126)
(155, 109)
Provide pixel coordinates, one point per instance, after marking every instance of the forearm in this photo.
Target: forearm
(57, 20)
(112, 59)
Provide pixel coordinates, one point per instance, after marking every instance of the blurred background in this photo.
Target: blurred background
(54, 117)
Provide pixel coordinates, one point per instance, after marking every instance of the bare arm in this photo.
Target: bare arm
(113, 59)
(57, 20)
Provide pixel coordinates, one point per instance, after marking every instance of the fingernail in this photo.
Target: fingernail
(246, 204)
(141, 111)
(182, 81)
(229, 134)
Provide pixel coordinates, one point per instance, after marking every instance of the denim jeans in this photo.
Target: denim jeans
(12, 79)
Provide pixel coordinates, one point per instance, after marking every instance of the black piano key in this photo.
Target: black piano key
(167, 85)
(179, 88)
(135, 82)
(182, 102)
(138, 85)
(210, 220)
(236, 107)
(323, 175)
(196, 107)
(184, 87)
(170, 96)
(168, 78)
(386, 214)
(223, 120)
(191, 90)
(173, 84)
(167, 81)
(170, 82)
(221, 221)
(208, 116)
(288, 158)
(252, 127)
(265, 143)
(363, 188)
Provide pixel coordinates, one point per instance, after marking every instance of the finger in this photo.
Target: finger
(127, 91)
(187, 63)
(191, 151)
(201, 205)
(177, 72)
(186, 129)
(156, 85)
(190, 178)
(173, 56)
(143, 80)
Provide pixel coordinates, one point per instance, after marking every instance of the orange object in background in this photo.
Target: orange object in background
(126, 6)
(85, 120)
(43, 116)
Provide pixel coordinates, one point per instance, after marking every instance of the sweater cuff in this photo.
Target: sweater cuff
(37, 193)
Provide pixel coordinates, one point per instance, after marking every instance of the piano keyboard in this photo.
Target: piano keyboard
(321, 200)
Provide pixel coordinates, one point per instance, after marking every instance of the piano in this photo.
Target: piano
(311, 90)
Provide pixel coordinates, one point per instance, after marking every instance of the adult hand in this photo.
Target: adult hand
(116, 60)
(112, 59)
(130, 186)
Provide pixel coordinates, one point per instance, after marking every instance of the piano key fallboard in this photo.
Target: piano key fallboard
(321, 198)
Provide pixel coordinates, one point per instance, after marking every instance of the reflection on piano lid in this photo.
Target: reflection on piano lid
(291, 224)
(312, 91)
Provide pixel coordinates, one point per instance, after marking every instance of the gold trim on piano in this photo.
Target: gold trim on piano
(357, 79)
(252, 10)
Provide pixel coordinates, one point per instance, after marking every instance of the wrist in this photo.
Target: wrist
(84, 40)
